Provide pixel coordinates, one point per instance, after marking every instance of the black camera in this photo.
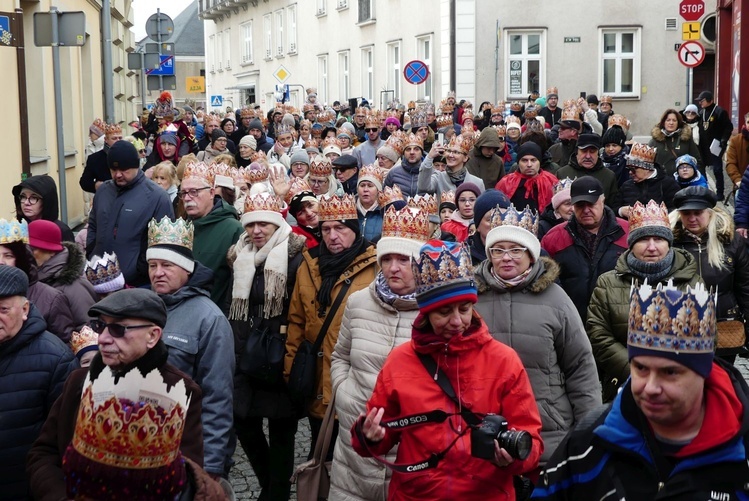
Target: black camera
(494, 427)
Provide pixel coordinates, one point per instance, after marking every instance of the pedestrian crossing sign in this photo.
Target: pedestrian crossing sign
(217, 101)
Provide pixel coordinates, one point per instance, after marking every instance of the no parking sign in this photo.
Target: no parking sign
(416, 72)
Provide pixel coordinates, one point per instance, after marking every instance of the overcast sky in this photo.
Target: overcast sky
(143, 9)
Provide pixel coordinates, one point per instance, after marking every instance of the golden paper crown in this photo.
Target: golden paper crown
(372, 120)
(320, 167)
(256, 172)
(446, 108)
(619, 120)
(571, 114)
(166, 231)
(199, 170)
(527, 219)
(531, 112)
(512, 119)
(651, 214)
(136, 423)
(409, 222)
(282, 129)
(312, 143)
(239, 176)
(552, 90)
(444, 120)
(260, 157)
(447, 197)
(414, 140)
(223, 169)
(516, 106)
(397, 141)
(334, 208)
(389, 195)
(460, 143)
(325, 117)
(467, 114)
(605, 99)
(563, 184)
(470, 137)
(501, 130)
(262, 201)
(498, 108)
(641, 155)
(372, 171)
(13, 231)
(307, 107)
(297, 185)
(100, 270)
(426, 203)
(330, 141)
(246, 112)
(450, 94)
(83, 339)
(100, 125)
(112, 129)
(569, 103)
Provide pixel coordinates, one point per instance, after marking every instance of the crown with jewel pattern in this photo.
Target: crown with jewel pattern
(447, 197)
(98, 126)
(83, 338)
(570, 114)
(512, 119)
(445, 120)
(516, 106)
(605, 99)
(13, 231)
(619, 120)
(282, 129)
(246, 112)
(414, 140)
(418, 120)
(467, 114)
(335, 208)
(427, 203)
(371, 120)
(199, 170)
(373, 173)
(674, 324)
(259, 156)
(641, 155)
(330, 141)
(164, 106)
(104, 273)
(263, 201)
(526, 219)
(404, 231)
(389, 195)
(446, 108)
(320, 167)
(326, 117)
(563, 184)
(501, 130)
(444, 275)
(652, 214)
(112, 130)
(552, 91)
(297, 185)
(178, 232)
(460, 143)
(570, 103)
(397, 141)
(256, 172)
(498, 108)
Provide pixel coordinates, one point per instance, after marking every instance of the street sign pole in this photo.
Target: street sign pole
(158, 32)
(142, 82)
(58, 113)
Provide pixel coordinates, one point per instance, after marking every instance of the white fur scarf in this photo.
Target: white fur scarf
(275, 255)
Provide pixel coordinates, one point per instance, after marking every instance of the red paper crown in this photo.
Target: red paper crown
(426, 203)
(262, 201)
(389, 195)
(651, 214)
(499, 108)
(409, 222)
(372, 120)
(199, 170)
(372, 171)
(334, 208)
(641, 155)
(447, 197)
(112, 130)
(296, 186)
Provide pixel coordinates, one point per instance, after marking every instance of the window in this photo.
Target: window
(291, 27)
(342, 4)
(525, 57)
(366, 10)
(322, 78)
(620, 64)
(220, 51)
(343, 75)
(212, 53)
(424, 52)
(249, 96)
(394, 68)
(322, 7)
(367, 76)
(246, 30)
(227, 48)
(279, 33)
(267, 40)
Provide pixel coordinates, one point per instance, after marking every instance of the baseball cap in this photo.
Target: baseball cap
(705, 94)
(585, 189)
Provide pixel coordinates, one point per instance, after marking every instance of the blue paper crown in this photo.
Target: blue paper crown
(13, 231)
(527, 219)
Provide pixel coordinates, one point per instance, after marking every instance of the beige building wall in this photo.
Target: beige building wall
(82, 101)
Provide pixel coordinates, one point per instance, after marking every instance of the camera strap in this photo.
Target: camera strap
(441, 379)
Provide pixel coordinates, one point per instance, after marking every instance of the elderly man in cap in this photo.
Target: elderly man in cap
(197, 334)
(96, 170)
(716, 131)
(33, 367)
(588, 244)
(129, 323)
(346, 170)
(678, 429)
(123, 206)
(587, 162)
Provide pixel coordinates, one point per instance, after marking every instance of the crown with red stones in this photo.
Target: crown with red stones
(320, 167)
(467, 114)
(397, 141)
(246, 112)
(326, 117)
(256, 172)
(552, 91)
(372, 171)
(470, 137)
(312, 143)
(526, 219)
(297, 185)
(409, 222)
(641, 155)
(224, 170)
(263, 201)
(571, 114)
(619, 120)
(462, 143)
(330, 141)
(605, 99)
(445, 120)
(446, 108)
(135, 423)
(335, 208)
(259, 156)
(569, 103)
(516, 106)
(531, 112)
(372, 120)
(427, 203)
(306, 107)
(83, 339)
(199, 170)
(389, 195)
(652, 214)
(99, 127)
(498, 108)
(239, 175)
(501, 130)
(447, 197)
(414, 140)
(112, 130)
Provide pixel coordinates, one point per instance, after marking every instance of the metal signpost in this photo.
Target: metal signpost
(157, 62)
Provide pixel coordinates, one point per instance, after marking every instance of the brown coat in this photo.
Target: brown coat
(305, 323)
(737, 157)
(44, 462)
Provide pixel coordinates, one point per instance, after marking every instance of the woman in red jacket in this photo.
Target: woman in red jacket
(440, 454)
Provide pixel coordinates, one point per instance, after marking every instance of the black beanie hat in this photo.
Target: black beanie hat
(530, 148)
(123, 156)
(614, 134)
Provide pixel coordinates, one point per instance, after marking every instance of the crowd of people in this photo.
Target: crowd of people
(513, 302)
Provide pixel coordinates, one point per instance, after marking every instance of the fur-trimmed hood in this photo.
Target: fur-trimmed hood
(65, 267)
(545, 273)
(297, 244)
(658, 135)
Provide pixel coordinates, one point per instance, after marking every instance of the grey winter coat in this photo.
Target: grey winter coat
(201, 345)
(539, 321)
(369, 331)
(406, 176)
(435, 182)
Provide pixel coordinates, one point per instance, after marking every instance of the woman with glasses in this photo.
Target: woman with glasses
(461, 220)
(36, 198)
(217, 147)
(435, 182)
(321, 179)
(525, 309)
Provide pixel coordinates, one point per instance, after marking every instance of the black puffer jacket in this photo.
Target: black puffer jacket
(669, 148)
(47, 189)
(547, 220)
(33, 367)
(661, 188)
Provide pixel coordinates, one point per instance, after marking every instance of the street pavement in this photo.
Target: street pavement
(245, 484)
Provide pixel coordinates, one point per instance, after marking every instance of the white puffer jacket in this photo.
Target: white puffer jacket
(370, 329)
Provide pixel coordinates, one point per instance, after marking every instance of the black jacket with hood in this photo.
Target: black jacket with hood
(490, 170)
(46, 188)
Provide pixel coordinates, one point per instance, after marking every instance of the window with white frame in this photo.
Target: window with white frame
(220, 51)
(394, 68)
(291, 28)
(278, 25)
(367, 75)
(343, 75)
(246, 32)
(267, 36)
(620, 61)
(342, 4)
(424, 51)
(212, 53)
(322, 78)
(227, 48)
(525, 56)
(322, 7)
(366, 10)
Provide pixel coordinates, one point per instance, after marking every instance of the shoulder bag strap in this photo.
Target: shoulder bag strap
(326, 433)
(331, 314)
(444, 383)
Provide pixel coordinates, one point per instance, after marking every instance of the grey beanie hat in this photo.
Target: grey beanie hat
(650, 231)
(299, 156)
(13, 281)
(255, 123)
(288, 119)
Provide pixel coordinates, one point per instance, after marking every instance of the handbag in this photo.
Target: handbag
(303, 373)
(312, 477)
(263, 354)
(731, 334)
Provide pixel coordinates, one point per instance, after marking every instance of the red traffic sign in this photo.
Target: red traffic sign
(692, 10)
(691, 54)
(416, 72)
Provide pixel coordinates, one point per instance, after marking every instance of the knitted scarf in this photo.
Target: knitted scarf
(385, 293)
(654, 272)
(512, 282)
(332, 266)
(275, 255)
(458, 176)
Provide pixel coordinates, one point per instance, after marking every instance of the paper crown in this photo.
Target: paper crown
(501, 130)
(282, 129)
(112, 130)
(651, 214)
(224, 169)
(563, 184)
(418, 120)
(397, 141)
(512, 119)
(445, 120)
(619, 120)
(447, 197)
(467, 114)
(102, 270)
(259, 156)
(450, 94)
(605, 99)
(414, 140)
(239, 176)
(246, 112)
(98, 126)
(389, 195)
(641, 155)
(526, 219)
(429, 108)
(83, 338)
(552, 91)
(263, 201)
(498, 108)
(372, 171)
(307, 107)
(516, 106)
(13, 231)
(256, 172)
(326, 117)
(164, 106)
(312, 144)
(571, 113)
(470, 137)
(168, 232)
(461, 143)
(320, 167)
(371, 120)
(531, 112)
(426, 203)
(409, 222)
(329, 142)
(570, 103)
(199, 170)
(334, 208)
(442, 265)
(680, 325)
(135, 423)
(297, 185)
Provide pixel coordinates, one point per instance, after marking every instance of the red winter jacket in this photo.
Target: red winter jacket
(489, 378)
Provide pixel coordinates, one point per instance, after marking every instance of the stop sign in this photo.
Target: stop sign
(692, 10)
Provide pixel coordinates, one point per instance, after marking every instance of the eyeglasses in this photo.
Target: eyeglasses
(220, 140)
(115, 330)
(141, 151)
(514, 253)
(31, 199)
(375, 129)
(317, 182)
(454, 152)
(192, 193)
(466, 200)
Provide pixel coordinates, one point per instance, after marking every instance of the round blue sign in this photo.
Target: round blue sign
(416, 72)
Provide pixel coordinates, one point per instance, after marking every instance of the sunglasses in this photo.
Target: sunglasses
(115, 330)
(372, 130)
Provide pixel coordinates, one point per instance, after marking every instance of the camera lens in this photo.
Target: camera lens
(516, 443)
